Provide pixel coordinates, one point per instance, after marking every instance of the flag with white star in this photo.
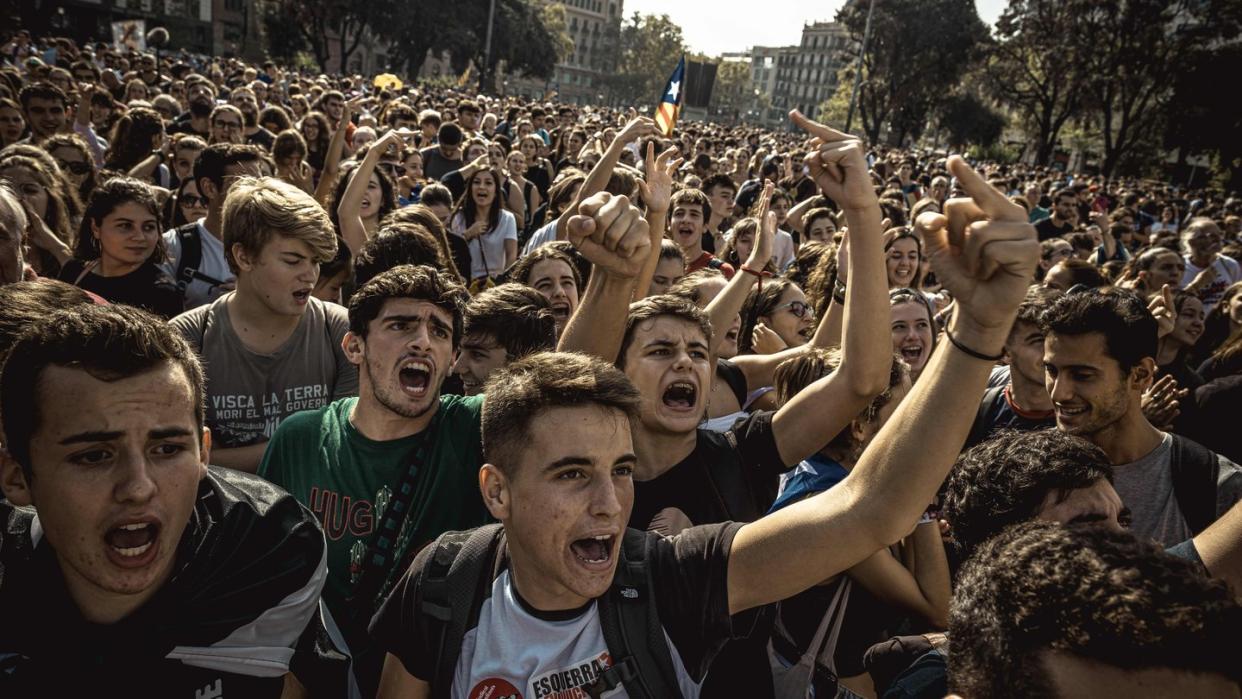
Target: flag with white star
(670, 101)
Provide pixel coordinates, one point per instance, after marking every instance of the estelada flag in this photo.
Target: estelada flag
(670, 102)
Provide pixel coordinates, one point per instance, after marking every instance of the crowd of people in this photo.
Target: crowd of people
(321, 386)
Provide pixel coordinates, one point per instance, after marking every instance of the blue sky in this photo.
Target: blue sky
(717, 26)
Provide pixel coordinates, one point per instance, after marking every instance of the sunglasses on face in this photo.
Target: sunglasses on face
(800, 309)
(393, 169)
(76, 167)
(191, 200)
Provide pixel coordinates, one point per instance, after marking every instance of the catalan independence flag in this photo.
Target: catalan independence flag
(670, 102)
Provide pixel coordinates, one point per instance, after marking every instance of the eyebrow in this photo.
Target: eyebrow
(101, 436)
(562, 462)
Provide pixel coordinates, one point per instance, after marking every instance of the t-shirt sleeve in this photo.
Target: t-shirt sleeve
(346, 383)
(397, 627)
(690, 572)
(1228, 485)
(508, 226)
(191, 325)
(756, 442)
(172, 243)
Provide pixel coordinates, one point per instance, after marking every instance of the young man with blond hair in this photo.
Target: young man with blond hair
(271, 348)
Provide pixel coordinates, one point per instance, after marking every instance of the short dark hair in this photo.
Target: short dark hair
(43, 91)
(25, 304)
(1005, 480)
(662, 305)
(1064, 192)
(516, 316)
(108, 342)
(218, 156)
(394, 245)
(421, 282)
(1120, 315)
(449, 134)
(1037, 300)
(468, 106)
(1087, 592)
(521, 270)
(718, 180)
(691, 197)
(519, 392)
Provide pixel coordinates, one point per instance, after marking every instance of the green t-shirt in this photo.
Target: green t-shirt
(347, 481)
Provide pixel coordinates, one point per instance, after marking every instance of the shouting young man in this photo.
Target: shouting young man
(560, 441)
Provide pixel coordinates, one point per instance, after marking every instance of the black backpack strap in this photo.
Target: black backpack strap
(630, 619)
(191, 258)
(989, 408)
(452, 587)
(1195, 471)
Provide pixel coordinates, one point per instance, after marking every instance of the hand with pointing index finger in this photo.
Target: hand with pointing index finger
(838, 165)
(984, 252)
(612, 234)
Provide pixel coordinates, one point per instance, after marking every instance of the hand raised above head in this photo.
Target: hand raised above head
(611, 233)
(837, 165)
(984, 252)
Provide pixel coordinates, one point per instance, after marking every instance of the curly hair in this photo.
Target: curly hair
(1090, 593)
(1006, 479)
(1120, 315)
(422, 282)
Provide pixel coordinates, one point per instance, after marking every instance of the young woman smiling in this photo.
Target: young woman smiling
(119, 248)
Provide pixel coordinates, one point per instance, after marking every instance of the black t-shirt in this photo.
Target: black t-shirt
(147, 287)
(1047, 229)
(183, 124)
(435, 165)
(243, 590)
(997, 412)
(733, 377)
(1219, 405)
(689, 573)
(263, 138)
(730, 476)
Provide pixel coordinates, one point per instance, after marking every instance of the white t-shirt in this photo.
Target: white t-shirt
(550, 657)
(1227, 272)
(546, 234)
(213, 265)
(487, 252)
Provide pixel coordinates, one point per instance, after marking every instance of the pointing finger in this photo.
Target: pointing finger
(989, 199)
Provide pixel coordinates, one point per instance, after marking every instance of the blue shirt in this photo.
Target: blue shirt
(814, 475)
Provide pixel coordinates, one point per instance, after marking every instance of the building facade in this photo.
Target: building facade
(594, 28)
(806, 74)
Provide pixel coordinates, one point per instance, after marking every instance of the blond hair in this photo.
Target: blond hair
(257, 209)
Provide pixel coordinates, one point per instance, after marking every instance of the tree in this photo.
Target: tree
(732, 93)
(915, 49)
(835, 110)
(1035, 68)
(970, 122)
(315, 19)
(1206, 119)
(1139, 50)
(649, 48)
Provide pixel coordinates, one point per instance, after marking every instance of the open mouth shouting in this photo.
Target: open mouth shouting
(681, 396)
(133, 544)
(301, 296)
(686, 233)
(560, 312)
(912, 352)
(415, 377)
(594, 552)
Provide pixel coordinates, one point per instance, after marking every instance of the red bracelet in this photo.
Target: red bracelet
(760, 274)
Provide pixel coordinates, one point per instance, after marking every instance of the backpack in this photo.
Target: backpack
(1195, 470)
(191, 258)
(457, 578)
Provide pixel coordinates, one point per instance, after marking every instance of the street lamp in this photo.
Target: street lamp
(849, 118)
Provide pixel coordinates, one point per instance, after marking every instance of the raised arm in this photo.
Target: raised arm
(728, 303)
(985, 253)
(1220, 547)
(349, 210)
(919, 582)
(656, 189)
(794, 218)
(809, 421)
(612, 234)
(597, 179)
(332, 159)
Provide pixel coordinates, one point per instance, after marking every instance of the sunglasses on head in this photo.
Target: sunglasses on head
(76, 167)
(800, 309)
